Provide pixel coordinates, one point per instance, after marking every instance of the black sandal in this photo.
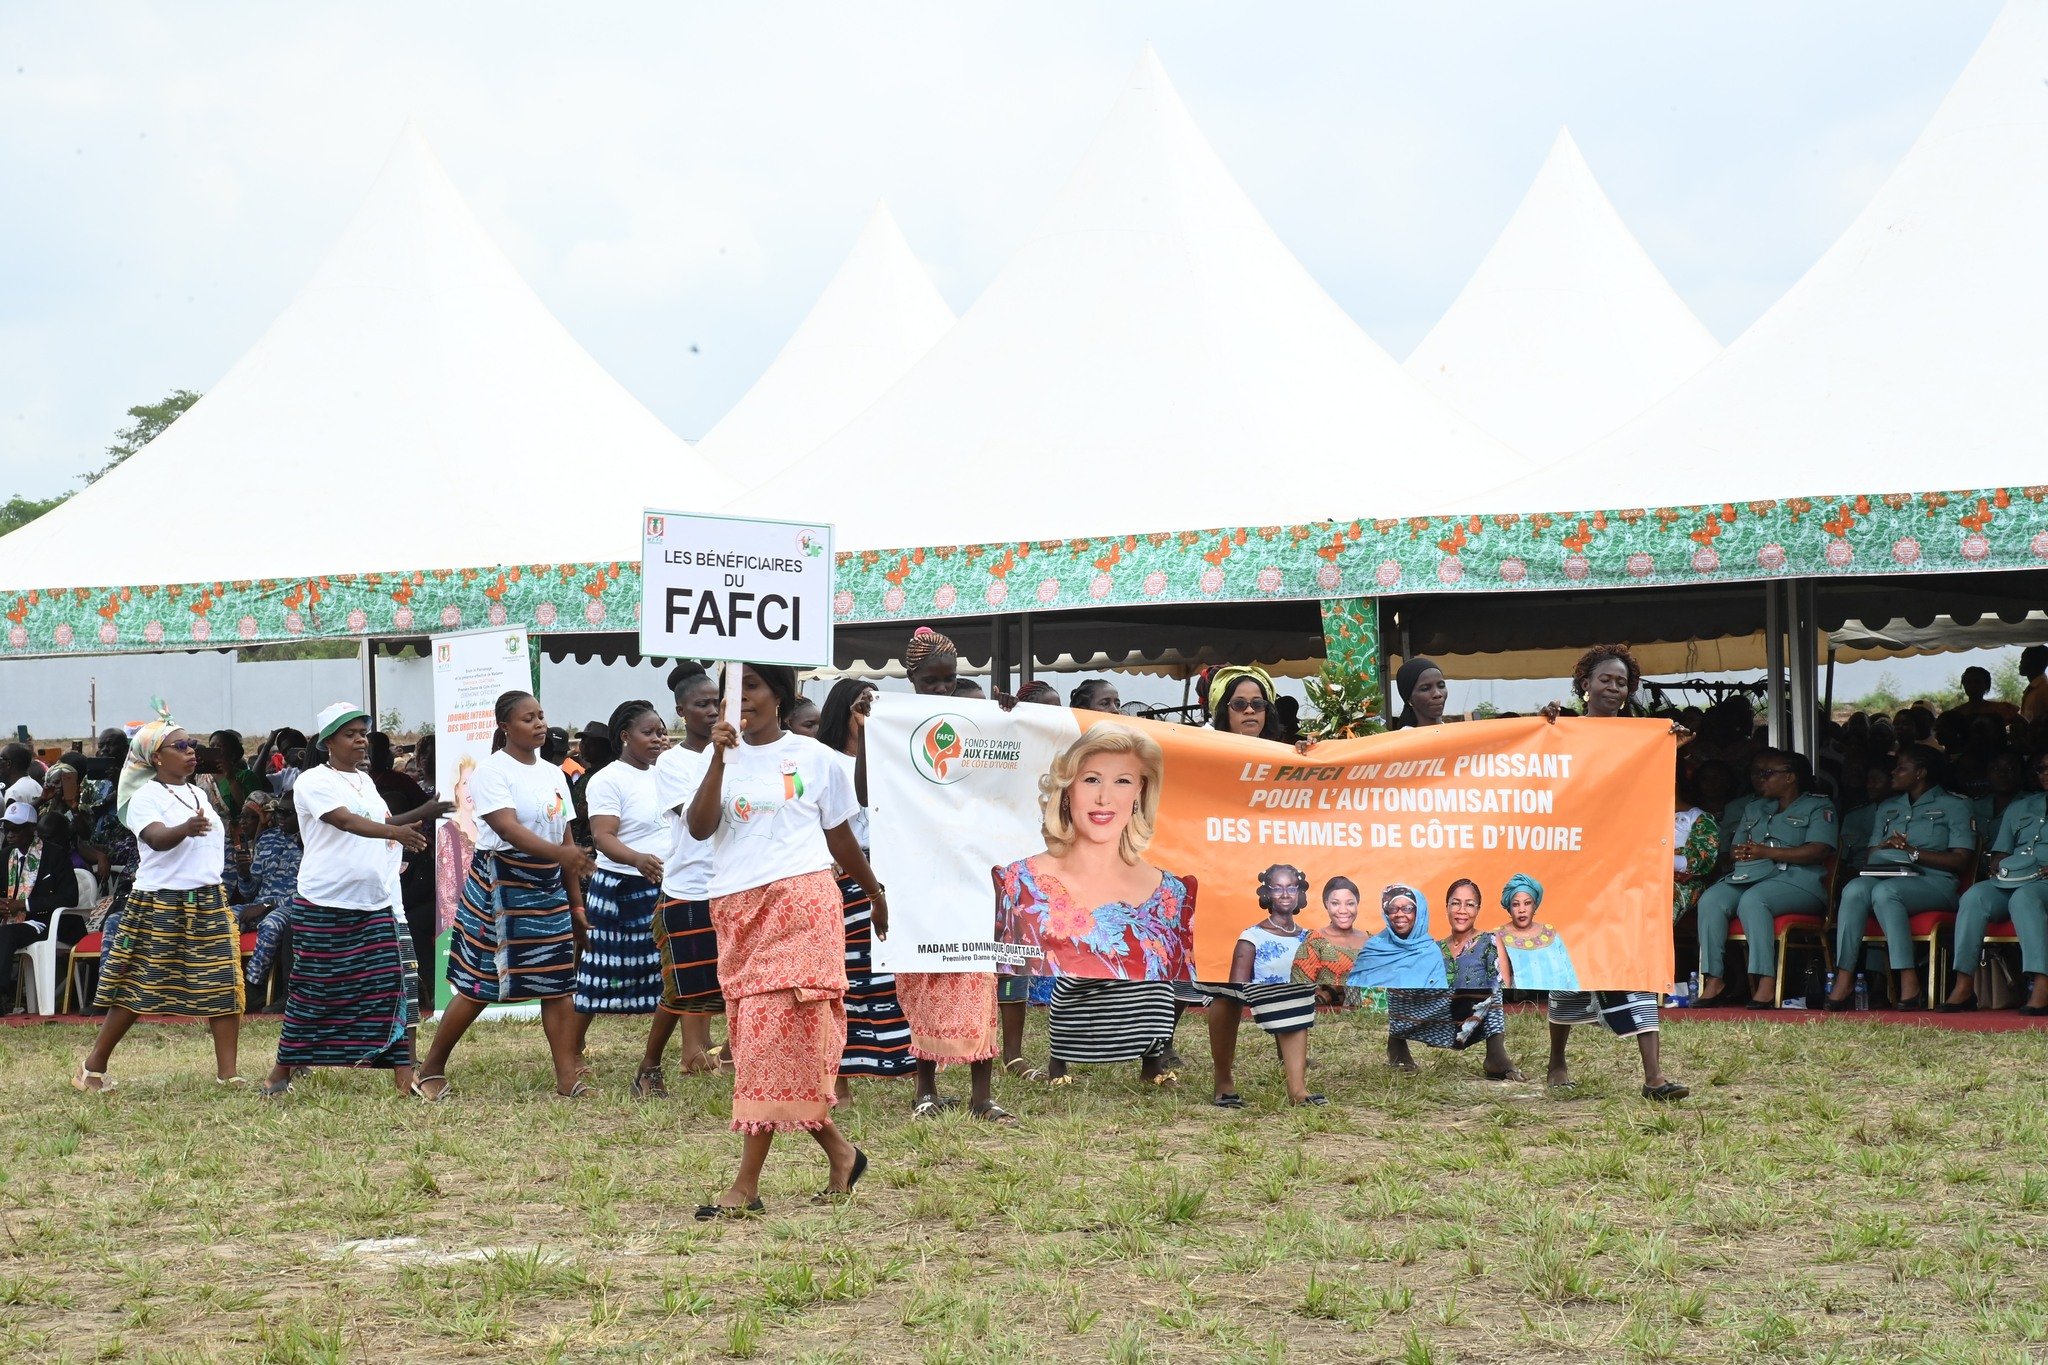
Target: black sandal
(1229, 1099)
(711, 1213)
(1666, 1091)
(831, 1196)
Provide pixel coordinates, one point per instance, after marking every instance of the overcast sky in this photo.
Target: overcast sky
(672, 176)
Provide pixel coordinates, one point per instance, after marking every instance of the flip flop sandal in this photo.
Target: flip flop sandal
(1504, 1076)
(650, 1083)
(994, 1113)
(270, 1090)
(1060, 1081)
(229, 1081)
(860, 1168)
(1022, 1069)
(1665, 1093)
(730, 1213)
(1313, 1101)
(1228, 1100)
(420, 1084)
(574, 1092)
(78, 1082)
(927, 1109)
(697, 1064)
(1167, 1080)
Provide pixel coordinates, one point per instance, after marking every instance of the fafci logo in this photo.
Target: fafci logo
(937, 747)
(654, 527)
(810, 545)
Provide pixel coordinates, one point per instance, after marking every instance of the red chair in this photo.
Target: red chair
(1928, 927)
(86, 950)
(1791, 929)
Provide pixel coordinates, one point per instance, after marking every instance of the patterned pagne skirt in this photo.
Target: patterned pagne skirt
(1625, 1013)
(779, 948)
(877, 1034)
(513, 937)
(1095, 1021)
(354, 990)
(686, 951)
(1282, 1007)
(1443, 1018)
(175, 952)
(952, 1015)
(619, 971)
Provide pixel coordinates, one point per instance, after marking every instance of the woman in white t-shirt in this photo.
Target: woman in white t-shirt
(353, 998)
(778, 809)
(178, 948)
(685, 945)
(618, 971)
(522, 904)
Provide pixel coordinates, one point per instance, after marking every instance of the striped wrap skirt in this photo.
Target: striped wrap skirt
(877, 1034)
(686, 951)
(513, 939)
(354, 991)
(1094, 1020)
(175, 952)
(619, 971)
(1625, 1013)
(1283, 1007)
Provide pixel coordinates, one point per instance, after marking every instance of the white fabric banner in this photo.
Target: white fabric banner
(937, 856)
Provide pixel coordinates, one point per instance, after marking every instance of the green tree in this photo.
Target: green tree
(2006, 683)
(1882, 699)
(150, 420)
(18, 511)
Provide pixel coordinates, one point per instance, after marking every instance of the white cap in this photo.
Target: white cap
(19, 813)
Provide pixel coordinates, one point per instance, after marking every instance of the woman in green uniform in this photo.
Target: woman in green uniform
(1780, 846)
(1926, 831)
(2018, 890)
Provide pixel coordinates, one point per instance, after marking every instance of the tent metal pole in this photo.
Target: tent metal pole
(1774, 663)
(1027, 661)
(366, 653)
(1805, 664)
(999, 655)
(1829, 705)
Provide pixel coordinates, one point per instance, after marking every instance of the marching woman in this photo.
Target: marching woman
(515, 929)
(877, 1035)
(1606, 679)
(353, 997)
(178, 947)
(953, 1015)
(619, 971)
(778, 808)
(686, 948)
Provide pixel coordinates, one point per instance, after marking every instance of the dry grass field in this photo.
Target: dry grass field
(1843, 1191)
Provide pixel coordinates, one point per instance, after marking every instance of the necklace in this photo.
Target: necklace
(196, 807)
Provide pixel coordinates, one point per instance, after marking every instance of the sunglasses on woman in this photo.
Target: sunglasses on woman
(183, 746)
(1247, 705)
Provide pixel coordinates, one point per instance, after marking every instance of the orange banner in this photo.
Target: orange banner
(1576, 816)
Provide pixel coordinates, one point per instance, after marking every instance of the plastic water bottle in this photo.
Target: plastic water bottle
(1862, 992)
(1692, 987)
(1681, 996)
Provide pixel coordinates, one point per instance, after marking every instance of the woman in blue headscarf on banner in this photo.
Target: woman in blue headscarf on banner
(1536, 951)
(1402, 956)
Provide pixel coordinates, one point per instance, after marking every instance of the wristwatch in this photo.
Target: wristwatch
(1913, 855)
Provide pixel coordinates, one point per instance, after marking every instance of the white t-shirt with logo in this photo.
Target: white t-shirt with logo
(686, 870)
(339, 869)
(536, 793)
(192, 862)
(627, 793)
(776, 803)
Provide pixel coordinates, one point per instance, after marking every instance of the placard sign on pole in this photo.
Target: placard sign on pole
(736, 589)
(471, 669)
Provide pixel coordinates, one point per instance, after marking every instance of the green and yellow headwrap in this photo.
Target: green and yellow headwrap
(1228, 677)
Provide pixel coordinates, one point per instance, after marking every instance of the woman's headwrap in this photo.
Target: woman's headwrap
(1229, 677)
(1521, 881)
(142, 747)
(1401, 962)
(925, 642)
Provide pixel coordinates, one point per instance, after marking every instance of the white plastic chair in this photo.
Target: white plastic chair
(40, 982)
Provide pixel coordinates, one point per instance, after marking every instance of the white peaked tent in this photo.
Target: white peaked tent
(1567, 329)
(876, 319)
(415, 370)
(1151, 359)
(1912, 357)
